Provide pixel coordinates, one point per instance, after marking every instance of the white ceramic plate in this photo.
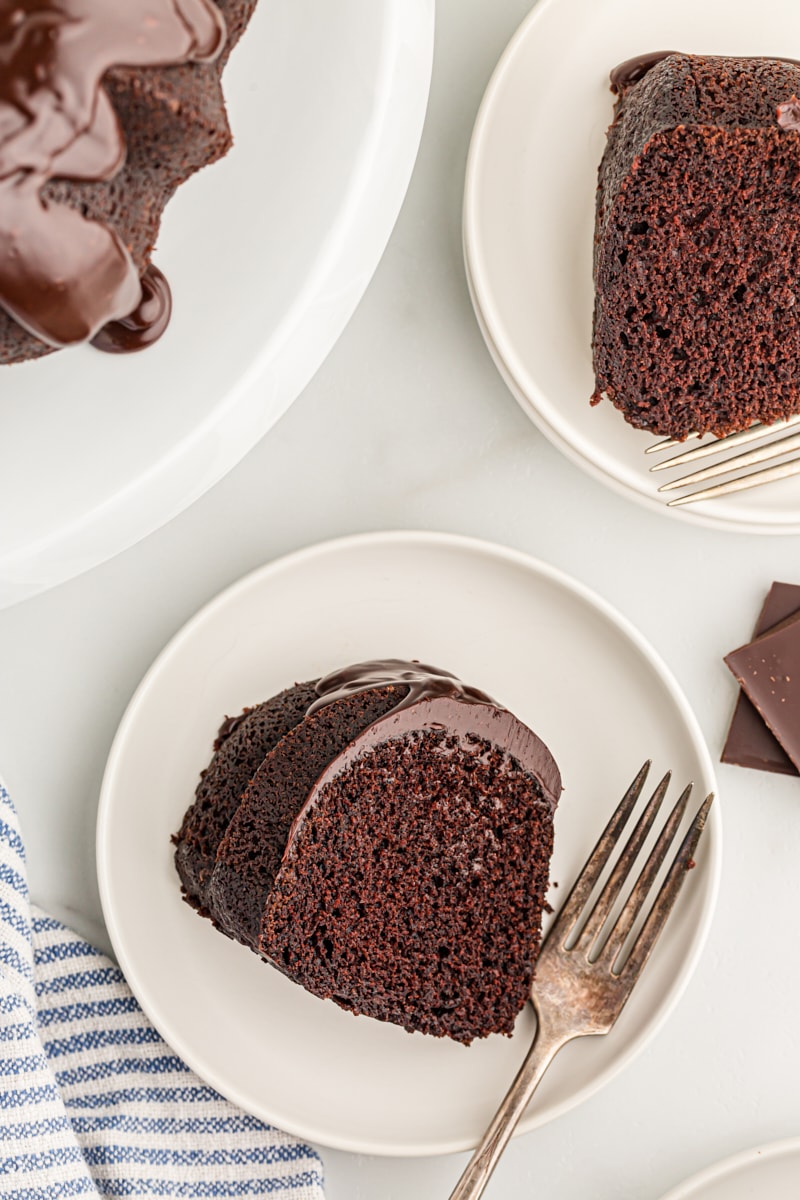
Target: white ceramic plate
(529, 219)
(766, 1173)
(268, 254)
(556, 654)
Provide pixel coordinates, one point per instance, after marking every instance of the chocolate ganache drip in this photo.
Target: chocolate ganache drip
(64, 277)
(466, 713)
(788, 115)
(634, 69)
(423, 683)
(145, 324)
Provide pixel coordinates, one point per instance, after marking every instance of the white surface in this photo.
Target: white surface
(350, 601)
(267, 252)
(409, 425)
(529, 222)
(771, 1172)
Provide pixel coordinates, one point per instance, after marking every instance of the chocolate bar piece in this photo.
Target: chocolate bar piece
(749, 742)
(769, 671)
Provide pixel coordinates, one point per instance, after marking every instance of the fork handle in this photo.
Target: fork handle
(483, 1162)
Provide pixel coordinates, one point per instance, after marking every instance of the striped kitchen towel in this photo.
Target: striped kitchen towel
(92, 1101)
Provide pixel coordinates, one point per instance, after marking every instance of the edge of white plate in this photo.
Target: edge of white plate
(695, 516)
(730, 1166)
(493, 336)
(713, 849)
(294, 355)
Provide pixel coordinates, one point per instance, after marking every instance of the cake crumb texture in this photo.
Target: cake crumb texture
(697, 247)
(382, 837)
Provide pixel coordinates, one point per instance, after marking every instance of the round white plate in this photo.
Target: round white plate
(766, 1173)
(529, 222)
(268, 253)
(556, 654)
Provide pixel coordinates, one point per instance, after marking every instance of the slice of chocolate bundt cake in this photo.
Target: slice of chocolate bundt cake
(240, 747)
(697, 244)
(85, 185)
(249, 855)
(391, 851)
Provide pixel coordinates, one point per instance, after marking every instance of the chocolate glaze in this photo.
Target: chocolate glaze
(465, 719)
(789, 115)
(145, 324)
(634, 69)
(423, 683)
(64, 277)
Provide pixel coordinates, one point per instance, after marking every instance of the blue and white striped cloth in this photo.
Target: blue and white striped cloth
(92, 1101)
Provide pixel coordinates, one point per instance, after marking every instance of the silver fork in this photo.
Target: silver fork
(763, 453)
(586, 969)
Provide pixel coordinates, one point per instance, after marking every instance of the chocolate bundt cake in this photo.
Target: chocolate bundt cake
(383, 837)
(84, 184)
(697, 244)
(240, 747)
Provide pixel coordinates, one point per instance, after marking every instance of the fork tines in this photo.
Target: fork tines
(580, 989)
(601, 940)
(777, 448)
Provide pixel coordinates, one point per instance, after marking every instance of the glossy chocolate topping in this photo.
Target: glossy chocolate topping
(633, 69)
(62, 276)
(145, 324)
(464, 721)
(423, 683)
(789, 115)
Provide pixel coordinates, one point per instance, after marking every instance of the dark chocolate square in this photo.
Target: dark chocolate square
(768, 670)
(749, 742)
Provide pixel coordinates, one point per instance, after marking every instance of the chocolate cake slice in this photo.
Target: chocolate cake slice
(697, 244)
(249, 855)
(240, 747)
(392, 851)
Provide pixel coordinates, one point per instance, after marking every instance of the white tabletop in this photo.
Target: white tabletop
(407, 425)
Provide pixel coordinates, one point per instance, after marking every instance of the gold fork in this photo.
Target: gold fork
(587, 969)
(776, 448)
